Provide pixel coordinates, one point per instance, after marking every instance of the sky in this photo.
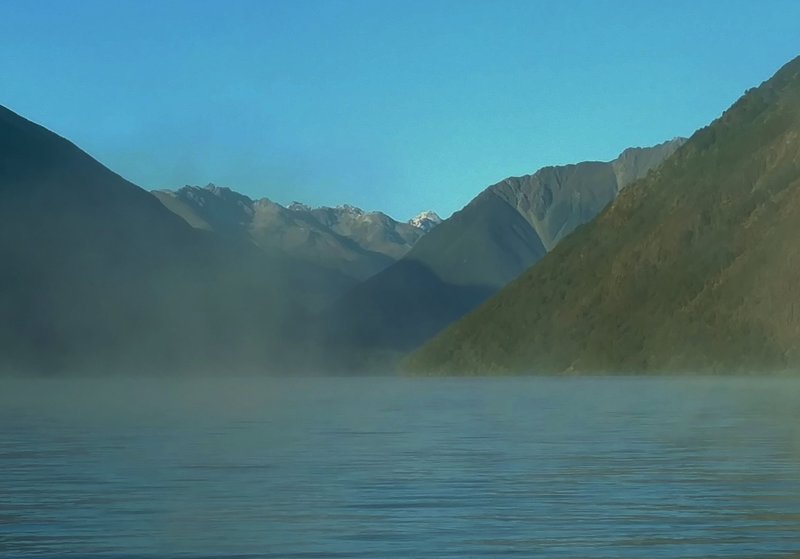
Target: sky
(398, 106)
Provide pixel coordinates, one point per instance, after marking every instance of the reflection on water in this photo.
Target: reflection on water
(380, 468)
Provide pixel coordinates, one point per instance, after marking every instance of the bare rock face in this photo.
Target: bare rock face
(373, 231)
(343, 238)
(634, 163)
(556, 200)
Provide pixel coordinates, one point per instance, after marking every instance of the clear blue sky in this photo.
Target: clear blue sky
(391, 105)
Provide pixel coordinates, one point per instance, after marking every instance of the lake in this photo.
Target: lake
(400, 468)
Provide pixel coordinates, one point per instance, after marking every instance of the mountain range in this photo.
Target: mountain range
(344, 239)
(504, 230)
(681, 257)
(694, 268)
(98, 276)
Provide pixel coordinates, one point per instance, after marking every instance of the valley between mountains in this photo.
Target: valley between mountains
(678, 257)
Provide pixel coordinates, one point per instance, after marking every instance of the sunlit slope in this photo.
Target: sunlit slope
(694, 268)
(480, 249)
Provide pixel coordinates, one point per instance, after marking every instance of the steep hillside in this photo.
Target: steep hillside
(343, 239)
(477, 251)
(98, 277)
(695, 268)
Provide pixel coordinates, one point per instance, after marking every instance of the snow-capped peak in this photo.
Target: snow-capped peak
(426, 221)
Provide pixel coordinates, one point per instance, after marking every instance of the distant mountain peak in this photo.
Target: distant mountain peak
(299, 207)
(350, 209)
(344, 238)
(211, 187)
(687, 270)
(209, 194)
(114, 281)
(426, 220)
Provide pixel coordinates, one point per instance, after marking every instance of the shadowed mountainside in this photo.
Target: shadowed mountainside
(477, 251)
(97, 276)
(695, 268)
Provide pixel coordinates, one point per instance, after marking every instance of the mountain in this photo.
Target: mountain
(695, 268)
(344, 239)
(98, 276)
(426, 220)
(477, 251)
(374, 231)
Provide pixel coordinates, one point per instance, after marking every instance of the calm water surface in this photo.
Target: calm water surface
(400, 468)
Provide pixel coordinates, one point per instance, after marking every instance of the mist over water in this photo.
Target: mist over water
(388, 467)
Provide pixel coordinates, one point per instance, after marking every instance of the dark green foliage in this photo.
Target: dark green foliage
(694, 268)
(481, 248)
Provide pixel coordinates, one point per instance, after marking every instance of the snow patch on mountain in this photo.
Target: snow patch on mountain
(426, 221)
